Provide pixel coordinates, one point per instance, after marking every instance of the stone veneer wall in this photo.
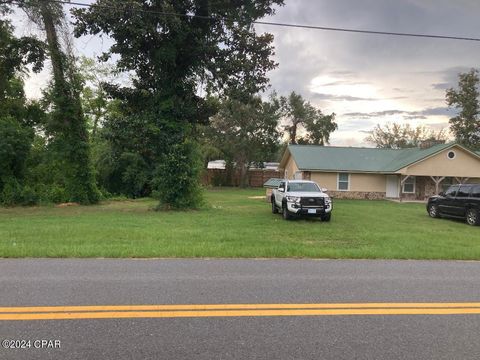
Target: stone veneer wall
(409, 197)
(424, 188)
(356, 195)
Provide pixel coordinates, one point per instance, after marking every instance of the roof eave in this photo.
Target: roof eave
(387, 172)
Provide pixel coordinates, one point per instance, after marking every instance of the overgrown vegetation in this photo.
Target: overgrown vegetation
(196, 91)
(171, 56)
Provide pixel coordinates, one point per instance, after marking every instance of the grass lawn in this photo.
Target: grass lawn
(234, 225)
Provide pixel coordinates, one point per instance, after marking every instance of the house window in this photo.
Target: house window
(409, 185)
(343, 183)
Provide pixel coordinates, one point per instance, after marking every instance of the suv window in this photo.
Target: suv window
(451, 190)
(463, 191)
(475, 191)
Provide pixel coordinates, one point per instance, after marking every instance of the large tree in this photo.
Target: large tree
(305, 123)
(400, 136)
(466, 125)
(17, 115)
(95, 101)
(66, 126)
(178, 50)
(246, 132)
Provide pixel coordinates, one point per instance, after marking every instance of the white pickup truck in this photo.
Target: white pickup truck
(301, 197)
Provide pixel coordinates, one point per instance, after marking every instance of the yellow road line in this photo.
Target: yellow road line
(204, 307)
(236, 313)
(233, 310)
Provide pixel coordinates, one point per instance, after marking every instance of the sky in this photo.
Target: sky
(364, 79)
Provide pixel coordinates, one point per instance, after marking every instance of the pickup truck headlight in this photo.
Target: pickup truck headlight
(293, 199)
(328, 201)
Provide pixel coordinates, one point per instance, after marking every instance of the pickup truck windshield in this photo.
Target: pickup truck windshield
(302, 187)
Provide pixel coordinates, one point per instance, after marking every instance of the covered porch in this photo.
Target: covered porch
(419, 187)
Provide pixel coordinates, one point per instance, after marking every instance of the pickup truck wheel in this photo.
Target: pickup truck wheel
(274, 207)
(433, 211)
(472, 217)
(326, 217)
(286, 215)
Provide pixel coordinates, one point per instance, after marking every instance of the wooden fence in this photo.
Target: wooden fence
(220, 177)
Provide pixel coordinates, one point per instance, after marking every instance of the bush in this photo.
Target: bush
(14, 193)
(11, 193)
(56, 194)
(177, 178)
(29, 196)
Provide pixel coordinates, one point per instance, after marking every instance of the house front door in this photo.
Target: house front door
(392, 186)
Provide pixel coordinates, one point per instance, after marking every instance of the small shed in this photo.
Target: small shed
(271, 184)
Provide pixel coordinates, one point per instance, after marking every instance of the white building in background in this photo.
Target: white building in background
(216, 164)
(220, 165)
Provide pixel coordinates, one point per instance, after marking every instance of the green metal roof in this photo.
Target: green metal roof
(312, 157)
(272, 183)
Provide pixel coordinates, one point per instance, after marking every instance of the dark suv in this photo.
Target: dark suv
(459, 201)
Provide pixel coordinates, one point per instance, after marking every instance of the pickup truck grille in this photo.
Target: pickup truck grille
(312, 201)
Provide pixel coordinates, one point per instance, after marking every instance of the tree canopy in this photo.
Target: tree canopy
(246, 132)
(466, 125)
(177, 50)
(17, 115)
(305, 123)
(400, 136)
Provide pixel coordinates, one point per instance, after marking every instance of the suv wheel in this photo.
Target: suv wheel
(274, 207)
(286, 215)
(433, 211)
(472, 217)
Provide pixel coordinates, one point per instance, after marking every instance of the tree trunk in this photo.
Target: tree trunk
(293, 132)
(242, 165)
(56, 56)
(68, 124)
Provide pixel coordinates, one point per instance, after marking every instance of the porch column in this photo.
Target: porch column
(462, 180)
(402, 181)
(437, 180)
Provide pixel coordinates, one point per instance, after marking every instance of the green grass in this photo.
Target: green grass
(234, 225)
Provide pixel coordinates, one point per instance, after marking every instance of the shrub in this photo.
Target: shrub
(11, 193)
(29, 196)
(177, 178)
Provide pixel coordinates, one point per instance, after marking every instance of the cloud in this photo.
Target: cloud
(351, 125)
(409, 115)
(374, 114)
(441, 86)
(440, 111)
(415, 117)
(320, 96)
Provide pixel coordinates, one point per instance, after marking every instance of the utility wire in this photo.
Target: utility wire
(278, 24)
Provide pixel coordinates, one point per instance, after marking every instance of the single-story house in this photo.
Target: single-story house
(371, 173)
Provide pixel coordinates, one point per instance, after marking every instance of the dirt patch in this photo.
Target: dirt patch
(63, 205)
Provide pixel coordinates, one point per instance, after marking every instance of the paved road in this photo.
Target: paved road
(138, 282)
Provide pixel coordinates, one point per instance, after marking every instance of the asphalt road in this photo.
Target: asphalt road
(68, 282)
